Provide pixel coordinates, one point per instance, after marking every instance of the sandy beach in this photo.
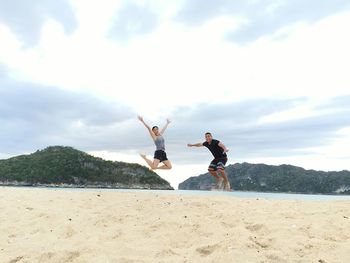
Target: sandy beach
(48, 225)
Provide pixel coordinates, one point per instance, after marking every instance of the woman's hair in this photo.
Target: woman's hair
(154, 127)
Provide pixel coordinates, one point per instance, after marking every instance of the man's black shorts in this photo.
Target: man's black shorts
(218, 164)
(160, 155)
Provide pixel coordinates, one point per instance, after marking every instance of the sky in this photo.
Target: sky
(268, 78)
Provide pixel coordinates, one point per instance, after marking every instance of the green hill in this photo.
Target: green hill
(65, 166)
(270, 178)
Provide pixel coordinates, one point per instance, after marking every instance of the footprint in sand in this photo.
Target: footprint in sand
(70, 256)
(64, 256)
(116, 235)
(207, 250)
(274, 258)
(259, 243)
(17, 259)
(167, 252)
(46, 256)
(69, 232)
(260, 233)
(255, 227)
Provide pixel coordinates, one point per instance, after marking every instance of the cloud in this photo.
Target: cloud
(132, 20)
(291, 137)
(338, 103)
(197, 12)
(240, 111)
(238, 125)
(25, 18)
(35, 116)
(259, 18)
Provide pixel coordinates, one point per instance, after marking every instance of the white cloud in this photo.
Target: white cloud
(174, 66)
(332, 157)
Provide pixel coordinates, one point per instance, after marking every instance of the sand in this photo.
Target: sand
(46, 225)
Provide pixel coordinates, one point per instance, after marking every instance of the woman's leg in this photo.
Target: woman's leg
(166, 165)
(153, 165)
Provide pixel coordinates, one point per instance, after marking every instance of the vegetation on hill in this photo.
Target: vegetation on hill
(58, 165)
(270, 178)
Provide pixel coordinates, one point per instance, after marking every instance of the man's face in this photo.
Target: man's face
(208, 138)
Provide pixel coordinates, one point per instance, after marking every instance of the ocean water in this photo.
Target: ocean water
(278, 196)
(240, 194)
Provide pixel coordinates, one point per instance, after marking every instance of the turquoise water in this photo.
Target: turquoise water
(249, 194)
(276, 196)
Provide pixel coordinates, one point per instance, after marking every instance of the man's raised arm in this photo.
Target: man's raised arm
(195, 144)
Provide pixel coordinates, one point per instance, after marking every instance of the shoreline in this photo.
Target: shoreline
(51, 186)
(89, 186)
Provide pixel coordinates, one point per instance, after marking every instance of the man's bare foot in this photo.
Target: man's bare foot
(143, 155)
(227, 187)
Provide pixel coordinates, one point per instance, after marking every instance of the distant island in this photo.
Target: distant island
(59, 166)
(270, 178)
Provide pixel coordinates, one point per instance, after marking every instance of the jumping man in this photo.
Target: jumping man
(217, 166)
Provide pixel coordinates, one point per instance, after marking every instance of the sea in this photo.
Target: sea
(240, 194)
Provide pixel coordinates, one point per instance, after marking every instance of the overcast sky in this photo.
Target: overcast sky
(270, 79)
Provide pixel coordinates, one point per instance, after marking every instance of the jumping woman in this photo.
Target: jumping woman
(159, 154)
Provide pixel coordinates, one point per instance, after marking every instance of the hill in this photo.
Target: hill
(66, 166)
(270, 178)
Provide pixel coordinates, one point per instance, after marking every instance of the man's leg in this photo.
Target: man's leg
(223, 174)
(219, 180)
(227, 186)
(221, 170)
(214, 173)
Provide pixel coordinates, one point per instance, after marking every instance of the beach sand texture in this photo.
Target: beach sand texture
(47, 225)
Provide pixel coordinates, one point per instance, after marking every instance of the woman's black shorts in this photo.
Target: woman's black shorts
(160, 155)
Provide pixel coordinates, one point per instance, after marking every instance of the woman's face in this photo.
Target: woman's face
(155, 130)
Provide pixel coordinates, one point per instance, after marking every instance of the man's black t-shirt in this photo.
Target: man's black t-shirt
(215, 149)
